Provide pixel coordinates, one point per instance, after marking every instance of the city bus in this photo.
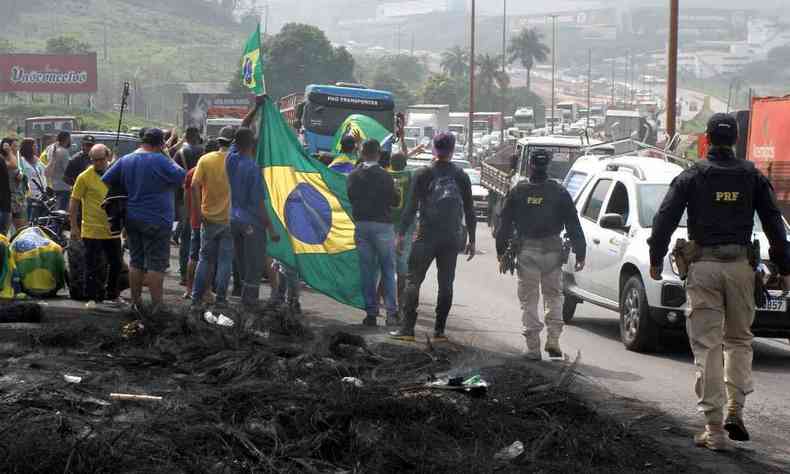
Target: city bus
(326, 107)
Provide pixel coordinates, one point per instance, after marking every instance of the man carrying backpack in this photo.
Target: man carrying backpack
(442, 193)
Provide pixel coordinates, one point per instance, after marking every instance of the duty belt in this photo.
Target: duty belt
(723, 253)
(551, 243)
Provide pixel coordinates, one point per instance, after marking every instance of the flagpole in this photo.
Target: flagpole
(260, 48)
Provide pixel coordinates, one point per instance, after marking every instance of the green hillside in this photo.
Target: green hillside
(152, 42)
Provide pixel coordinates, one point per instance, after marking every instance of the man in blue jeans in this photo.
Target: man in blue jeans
(371, 191)
(211, 187)
(150, 179)
(249, 220)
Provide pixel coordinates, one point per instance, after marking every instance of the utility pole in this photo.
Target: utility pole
(614, 63)
(589, 86)
(412, 44)
(470, 146)
(626, 76)
(672, 73)
(553, 67)
(504, 68)
(266, 19)
(398, 39)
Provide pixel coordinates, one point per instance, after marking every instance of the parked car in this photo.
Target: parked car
(127, 143)
(479, 194)
(617, 203)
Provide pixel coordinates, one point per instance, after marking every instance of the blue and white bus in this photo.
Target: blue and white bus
(327, 107)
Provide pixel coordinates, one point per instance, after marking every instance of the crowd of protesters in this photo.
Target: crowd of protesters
(208, 200)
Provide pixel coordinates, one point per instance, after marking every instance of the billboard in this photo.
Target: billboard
(48, 73)
(199, 107)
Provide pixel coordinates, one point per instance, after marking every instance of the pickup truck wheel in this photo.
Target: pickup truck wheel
(637, 330)
(569, 304)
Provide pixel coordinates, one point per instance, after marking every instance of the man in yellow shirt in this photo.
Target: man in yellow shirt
(211, 188)
(87, 195)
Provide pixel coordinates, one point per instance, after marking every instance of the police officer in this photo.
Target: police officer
(721, 195)
(540, 209)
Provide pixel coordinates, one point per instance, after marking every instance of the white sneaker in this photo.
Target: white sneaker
(90, 305)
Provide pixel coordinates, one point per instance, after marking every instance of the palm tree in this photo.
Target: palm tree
(490, 75)
(528, 48)
(455, 62)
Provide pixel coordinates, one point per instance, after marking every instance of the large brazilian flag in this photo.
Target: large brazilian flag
(309, 207)
(363, 126)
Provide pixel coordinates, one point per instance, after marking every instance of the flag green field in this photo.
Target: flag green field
(309, 207)
(252, 64)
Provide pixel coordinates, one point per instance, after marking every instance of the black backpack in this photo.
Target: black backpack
(444, 207)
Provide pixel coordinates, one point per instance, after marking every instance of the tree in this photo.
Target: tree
(67, 45)
(300, 55)
(455, 62)
(440, 89)
(528, 48)
(402, 93)
(490, 75)
(406, 68)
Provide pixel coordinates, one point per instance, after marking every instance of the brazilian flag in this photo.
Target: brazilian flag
(364, 127)
(252, 64)
(310, 210)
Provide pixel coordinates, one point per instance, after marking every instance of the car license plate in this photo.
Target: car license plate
(775, 304)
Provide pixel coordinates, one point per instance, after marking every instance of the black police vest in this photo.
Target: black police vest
(724, 198)
(537, 213)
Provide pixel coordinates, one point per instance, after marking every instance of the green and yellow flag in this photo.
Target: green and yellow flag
(363, 126)
(252, 64)
(309, 208)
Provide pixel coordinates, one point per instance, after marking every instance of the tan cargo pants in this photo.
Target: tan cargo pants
(539, 272)
(721, 302)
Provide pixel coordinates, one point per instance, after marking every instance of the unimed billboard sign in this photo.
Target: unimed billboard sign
(48, 73)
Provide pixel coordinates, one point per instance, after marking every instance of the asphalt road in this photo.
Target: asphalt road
(487, 312)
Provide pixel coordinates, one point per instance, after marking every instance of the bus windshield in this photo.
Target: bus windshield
(324, 112)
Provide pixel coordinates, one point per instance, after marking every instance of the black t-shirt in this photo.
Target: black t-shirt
(371, 191)
(77, 164)
(187, 158)
(5, 188)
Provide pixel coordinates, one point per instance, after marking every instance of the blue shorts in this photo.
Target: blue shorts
(149, 246)
(194, 245)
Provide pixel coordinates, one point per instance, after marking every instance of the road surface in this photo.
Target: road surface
(486, 312)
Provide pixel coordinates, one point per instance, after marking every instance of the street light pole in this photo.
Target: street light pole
(589, 86)
(672, 73)
(504, 68)
(470, 142)
(553, 67)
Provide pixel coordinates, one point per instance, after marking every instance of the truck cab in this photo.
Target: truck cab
(504, 173)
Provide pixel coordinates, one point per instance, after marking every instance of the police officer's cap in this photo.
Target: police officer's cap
(540, 159)
(723, 126)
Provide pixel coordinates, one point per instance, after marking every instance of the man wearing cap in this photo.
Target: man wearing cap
(212, 189)
(539, 209)
(344, 162)
(150, 179)
(249, 220)
(58, 156)
(80, 161)
(443, 196)
(721, 195)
